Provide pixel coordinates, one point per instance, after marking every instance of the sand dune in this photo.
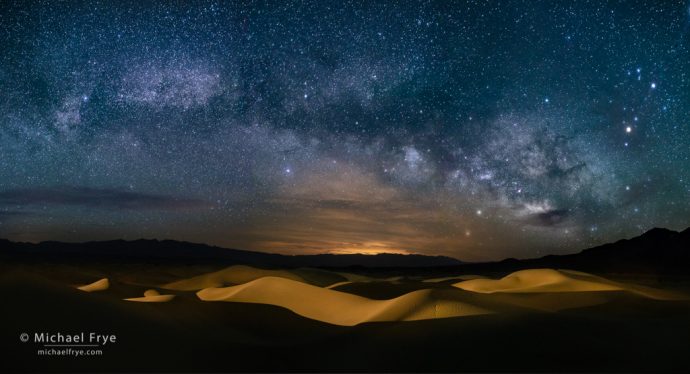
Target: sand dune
(340, 308)
(550, 280)
(356, 278)
(334, 285)
(99, 285)
(458, 277)
(240, 274)
(152, 296)
(351, 277)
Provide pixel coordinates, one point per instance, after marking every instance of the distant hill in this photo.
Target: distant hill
(656, 251)
(171, 251)
(659, 250)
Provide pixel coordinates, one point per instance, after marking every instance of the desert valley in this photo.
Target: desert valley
(192, 314)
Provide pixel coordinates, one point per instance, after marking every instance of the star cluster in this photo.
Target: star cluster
(479, 130)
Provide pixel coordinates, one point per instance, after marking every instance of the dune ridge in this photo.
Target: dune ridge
(456, 277)
(340, 308)
(239, 274)
(99, 285)
(152, 296)
(551, 280)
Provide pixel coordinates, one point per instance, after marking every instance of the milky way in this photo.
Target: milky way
(475, 130)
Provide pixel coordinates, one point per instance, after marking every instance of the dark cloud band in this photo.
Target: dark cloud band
(96, 198)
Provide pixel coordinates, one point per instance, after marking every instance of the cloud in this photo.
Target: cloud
(6, 215)
(96, 198)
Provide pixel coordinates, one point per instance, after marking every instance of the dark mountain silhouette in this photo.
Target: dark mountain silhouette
(656, 251)
(171, 251)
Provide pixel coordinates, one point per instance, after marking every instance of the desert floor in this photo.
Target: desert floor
(201, 318)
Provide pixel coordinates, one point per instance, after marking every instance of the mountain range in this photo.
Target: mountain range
(656, 251)
(172, 251)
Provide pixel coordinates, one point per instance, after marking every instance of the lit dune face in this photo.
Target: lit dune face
(534, 289)
(99, 285)
(539, 280)
(321, 294)
(230, 276)
(558, 281)
(240, 274)
(340, 308)
(152, 296)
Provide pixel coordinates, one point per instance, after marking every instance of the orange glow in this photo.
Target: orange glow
(368, 248)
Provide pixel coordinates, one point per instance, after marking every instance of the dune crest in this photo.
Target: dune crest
(239, 274)
(340, 308)
(550, 280)
(456, 277)
(334, 285)
(99, 285)
(152, 296)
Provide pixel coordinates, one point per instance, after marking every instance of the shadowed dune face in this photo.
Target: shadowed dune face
(240, 274)
(99, 285)
(340, 308)
(557, 281)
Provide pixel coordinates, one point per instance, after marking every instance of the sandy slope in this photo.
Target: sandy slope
(152, 296)
(550, 280)
(99, 285)
(456, 277)
(356, 278)
(335, 285)
(340, 308)
(240, 274)
(632, 334)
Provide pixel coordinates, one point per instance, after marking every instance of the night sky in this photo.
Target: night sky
(478, 130)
